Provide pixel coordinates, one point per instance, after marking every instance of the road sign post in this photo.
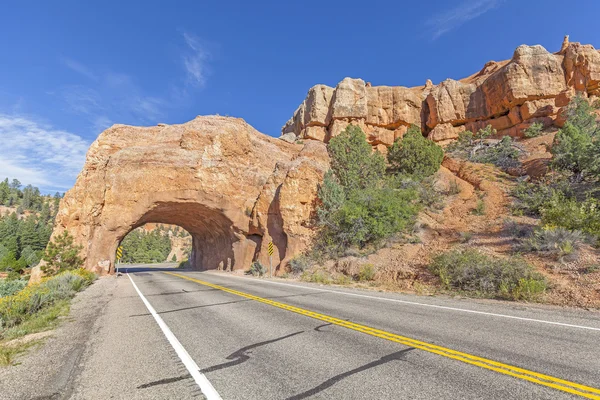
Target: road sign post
(119, 255)
(270, 249)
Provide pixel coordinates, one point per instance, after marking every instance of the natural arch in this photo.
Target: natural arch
(232, 188)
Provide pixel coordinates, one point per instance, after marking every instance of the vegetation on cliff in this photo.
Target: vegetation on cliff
(366, 200)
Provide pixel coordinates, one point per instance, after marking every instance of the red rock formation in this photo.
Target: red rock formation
(232, 188)
(510, 95)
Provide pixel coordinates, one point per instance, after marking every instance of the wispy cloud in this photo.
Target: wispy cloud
(39, 154)
(195, 60)
(466, 11)
(79, 68)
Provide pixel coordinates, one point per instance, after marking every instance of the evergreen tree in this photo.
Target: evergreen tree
(4, 191)
(414, 154)
(353, 161)
(62, 254)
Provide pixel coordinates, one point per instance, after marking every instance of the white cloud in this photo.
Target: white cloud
(82, 99)
(195, 61)
(466, 11)
(79, 68)
(38, 154)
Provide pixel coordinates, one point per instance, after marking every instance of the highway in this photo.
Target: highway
(174, 334)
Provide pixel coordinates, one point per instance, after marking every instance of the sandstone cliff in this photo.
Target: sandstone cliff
(533, 86)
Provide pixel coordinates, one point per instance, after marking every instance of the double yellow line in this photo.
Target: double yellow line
(531, 376)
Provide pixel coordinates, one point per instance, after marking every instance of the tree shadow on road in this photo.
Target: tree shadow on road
(399, 355)
(241, 355)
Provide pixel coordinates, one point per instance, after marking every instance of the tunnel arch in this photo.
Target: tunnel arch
(215, 239)
(231, 187)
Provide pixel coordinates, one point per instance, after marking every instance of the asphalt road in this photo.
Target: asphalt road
(246, 338)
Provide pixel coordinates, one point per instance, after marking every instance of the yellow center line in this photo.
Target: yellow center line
(506, 369)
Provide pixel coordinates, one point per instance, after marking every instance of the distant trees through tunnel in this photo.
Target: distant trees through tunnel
(156, 243)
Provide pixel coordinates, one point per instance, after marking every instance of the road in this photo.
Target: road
(221, 335)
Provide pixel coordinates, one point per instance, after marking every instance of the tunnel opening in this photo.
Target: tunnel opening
(155, 243)
(214, 240)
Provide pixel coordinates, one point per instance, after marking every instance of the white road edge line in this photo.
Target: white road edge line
(418, 304)
(205, 386)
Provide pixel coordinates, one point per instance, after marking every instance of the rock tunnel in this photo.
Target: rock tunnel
(231, 187)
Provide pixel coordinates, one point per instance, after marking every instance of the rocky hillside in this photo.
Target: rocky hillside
(534, 86)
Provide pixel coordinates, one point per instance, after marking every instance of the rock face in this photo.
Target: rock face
(533, 86)
(232, 188)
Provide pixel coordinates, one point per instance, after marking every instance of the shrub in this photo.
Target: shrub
(534, 130)
(370, 215)
(257, 269)
(16, 308)
(10, 287)
(553, 240)
(501, 154)
(414, 154)
(62, 255)
(367, 272)
(479, 208)
(453, 188)
(317, 276)
(573, 215)
(576, 144)
(429, 195)
(299, 264)
(465, 237)
(516, 230)
(531, 197)
(472, 271)
(474, 147)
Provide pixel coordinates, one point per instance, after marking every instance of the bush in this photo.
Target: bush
(10, 287)
(472, 271)
(257, 269)
(501, 154)
(414, 154)
(368, 216)
(299, 264)
(479, 208)
(553, 240)
(367, 272)
(531, 197)
(453, 188)
(474, 147)
(534, 130)
(573, 215)
(16, 308)
(317, 276)
(429, 195)
(576, 144)
(62, 255)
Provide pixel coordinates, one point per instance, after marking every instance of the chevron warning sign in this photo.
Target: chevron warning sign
(119, 252)
(270, 248)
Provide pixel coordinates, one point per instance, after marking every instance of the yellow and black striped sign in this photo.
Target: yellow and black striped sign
(270, 248)
(119, 252)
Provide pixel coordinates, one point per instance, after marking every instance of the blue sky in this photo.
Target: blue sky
(72, 68)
